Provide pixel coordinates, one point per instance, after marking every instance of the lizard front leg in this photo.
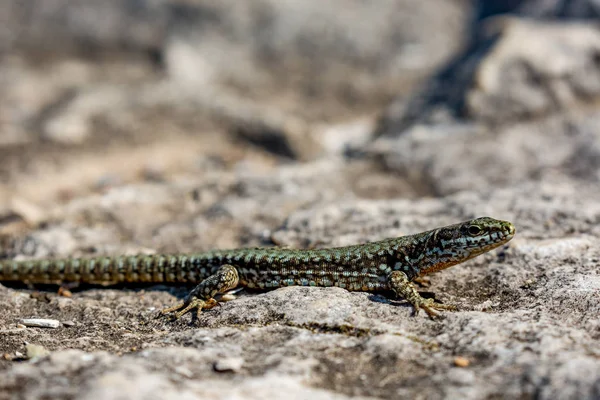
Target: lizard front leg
(202, 296)
(399, 283)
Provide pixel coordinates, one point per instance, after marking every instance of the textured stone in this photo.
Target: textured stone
(516, 70)
(161, 169)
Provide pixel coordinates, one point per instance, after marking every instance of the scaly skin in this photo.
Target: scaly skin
(390, 264)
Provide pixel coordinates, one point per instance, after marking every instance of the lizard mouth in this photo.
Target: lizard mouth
(501, 237)
(509, 231)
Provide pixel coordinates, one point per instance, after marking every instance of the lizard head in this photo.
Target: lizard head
(454, 244)
(482, 234)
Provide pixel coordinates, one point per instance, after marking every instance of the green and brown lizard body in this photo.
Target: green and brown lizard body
(390, 264)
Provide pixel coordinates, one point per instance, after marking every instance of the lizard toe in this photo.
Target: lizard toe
(184, 307)
(430, 307)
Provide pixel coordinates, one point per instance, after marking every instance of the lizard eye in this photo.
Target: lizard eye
(474, 230)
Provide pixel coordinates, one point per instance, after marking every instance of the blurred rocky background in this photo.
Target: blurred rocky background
(131, 126)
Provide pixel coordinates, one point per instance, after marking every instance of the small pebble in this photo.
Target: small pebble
(461, 362)
(36, 351)
(40, 323)
(231, 364)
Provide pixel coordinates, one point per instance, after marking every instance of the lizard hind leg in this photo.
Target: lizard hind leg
(202, 296)
(400, 284)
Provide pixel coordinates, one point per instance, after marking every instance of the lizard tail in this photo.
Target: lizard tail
(140, 268)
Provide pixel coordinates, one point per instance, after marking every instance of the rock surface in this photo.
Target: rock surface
(119, 154)
(517, 70)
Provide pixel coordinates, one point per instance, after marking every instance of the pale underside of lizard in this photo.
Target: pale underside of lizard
(391, 264)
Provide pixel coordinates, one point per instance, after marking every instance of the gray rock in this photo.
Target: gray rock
(519, 70)
(256, 45)
(530, 310)
(529, 72)
(304, 51)
(493, 130)
(121, 157)
(441, 159)
(271, 72)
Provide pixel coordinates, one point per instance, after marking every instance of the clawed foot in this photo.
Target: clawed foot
(188, 305)
(403, 287)
(429, 305)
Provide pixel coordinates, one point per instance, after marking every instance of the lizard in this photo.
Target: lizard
(390, 264)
